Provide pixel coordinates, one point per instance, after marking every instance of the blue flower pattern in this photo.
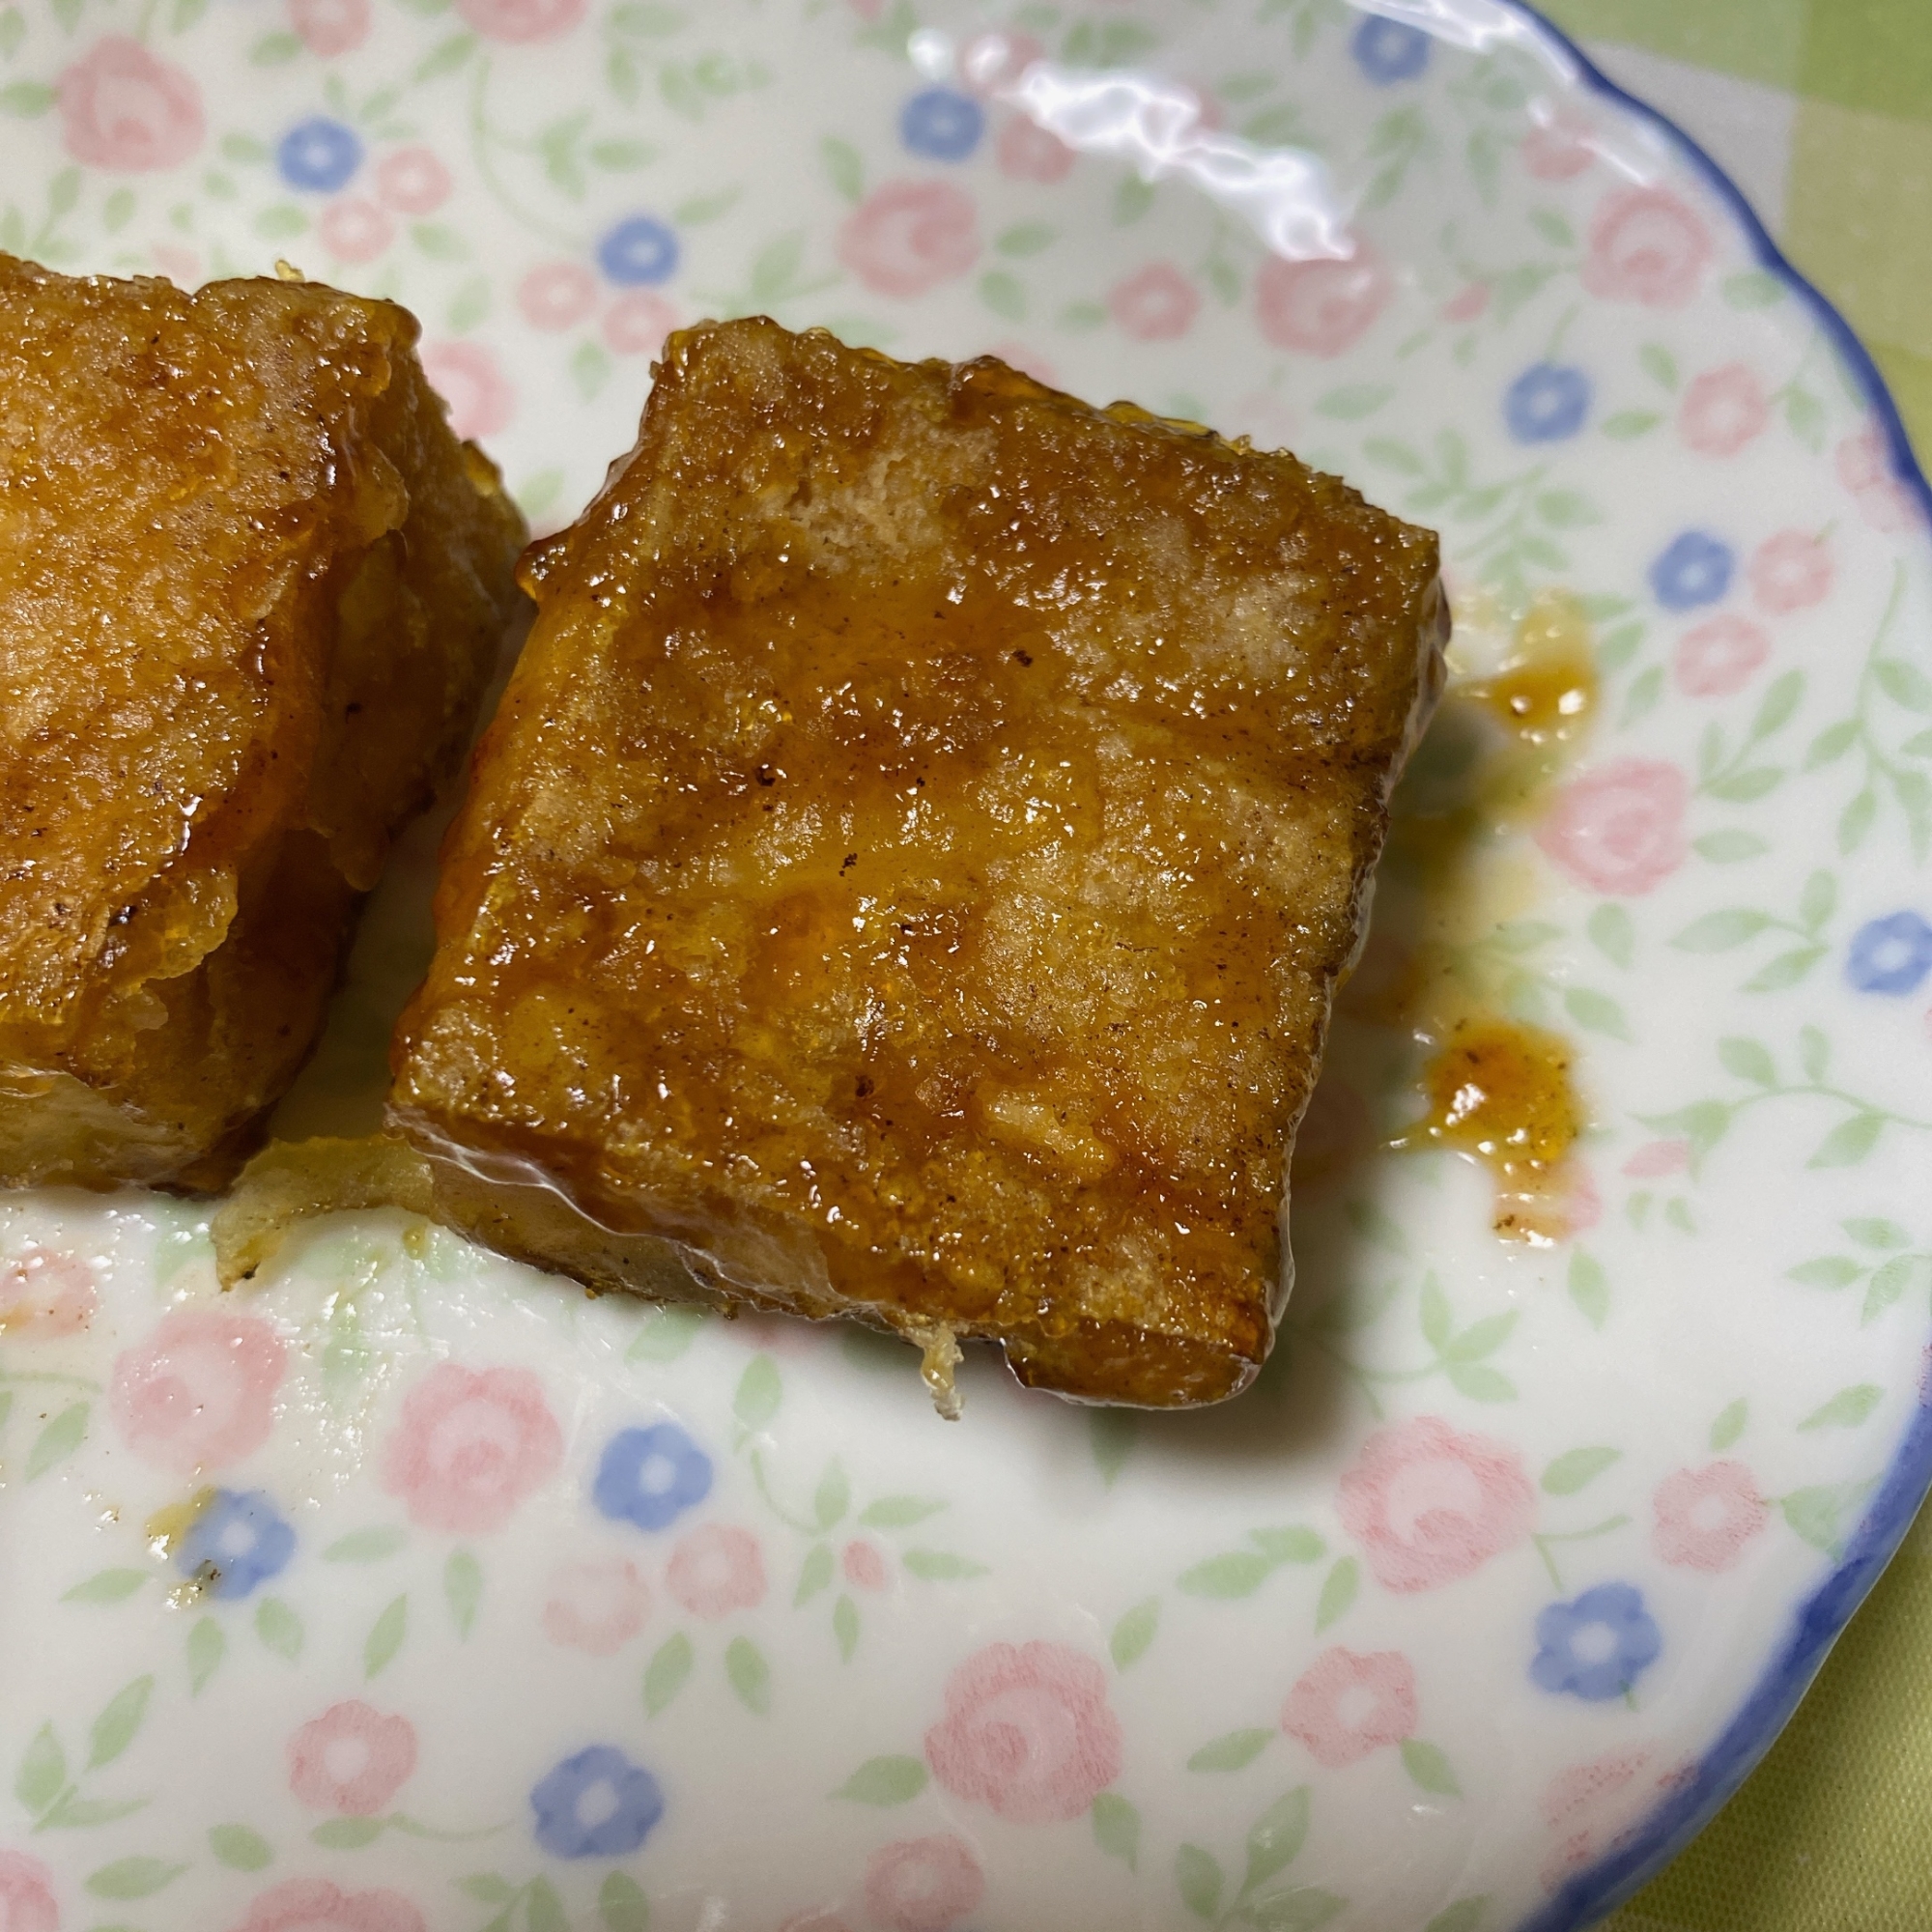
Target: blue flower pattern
(1547, 402)
(600, 1804)
(942, 125)
(639, 252)
(597, 1805)
(1597, 1647)
(239, 1541)
(319, 155)
(1696, 568)
(1891, 955)
(1388, 52)
(650, 1476)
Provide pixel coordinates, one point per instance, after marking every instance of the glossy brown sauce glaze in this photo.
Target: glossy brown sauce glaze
(913, 858)
(251, 590)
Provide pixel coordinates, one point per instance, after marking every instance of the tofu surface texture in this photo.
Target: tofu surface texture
(909, 870)
(251, 591)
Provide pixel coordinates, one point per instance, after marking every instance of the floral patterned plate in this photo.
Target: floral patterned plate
(412, 1590)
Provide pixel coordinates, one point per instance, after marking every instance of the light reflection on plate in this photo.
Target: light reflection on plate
(1512, 1564)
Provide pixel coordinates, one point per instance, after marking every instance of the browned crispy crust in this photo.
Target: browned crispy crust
(909, 868)
(251, 590)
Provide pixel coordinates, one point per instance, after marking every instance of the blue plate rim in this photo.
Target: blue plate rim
(1599, 1889)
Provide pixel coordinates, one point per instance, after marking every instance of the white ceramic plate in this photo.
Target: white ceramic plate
(536, 1613)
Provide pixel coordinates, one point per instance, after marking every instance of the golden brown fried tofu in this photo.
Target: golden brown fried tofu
(910, 866)
(251, 591)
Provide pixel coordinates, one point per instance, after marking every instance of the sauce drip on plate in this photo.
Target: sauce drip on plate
(1496, 1085)
(1500, 1089)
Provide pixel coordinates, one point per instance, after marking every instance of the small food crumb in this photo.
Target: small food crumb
(941, 1356)
(168, 1525)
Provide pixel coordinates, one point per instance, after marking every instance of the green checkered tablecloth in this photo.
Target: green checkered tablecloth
(1821, 110)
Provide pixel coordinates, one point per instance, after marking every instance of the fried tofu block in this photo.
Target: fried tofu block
(251, 591)
(910, 866)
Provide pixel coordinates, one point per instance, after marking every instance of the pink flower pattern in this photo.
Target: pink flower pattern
(1582, 1204)
(1655, 1159)
(120, 107)
(1027, 1732)
(1430, 1505)
(717, 1570)
(466, 376)
(1321, 307)
(555, 295)
(1646, 246)
(181, 265)
(1028, 152)
(863, 1567)
(329, 27)
(637, 323)
(201, 1392)
(351, 1760)
(907, 237)
(470, 1447)
(596, 1607)
(1723, 410)
(521, 21)
(1157, 305)
(1866, 469)
(411, 180)
(355, 229)
(1790, 571)
(45, 1294)
(315, 1905)
(1029, 362)
(1558, 150)
(923, 1884)
(1267, 419)
(26, 1895)
(1593, 1808)
(1721, 656)
(1346, 1705)
(1705, 1517)
(1620, 829)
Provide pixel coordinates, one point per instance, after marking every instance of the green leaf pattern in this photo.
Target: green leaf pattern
(853, 1550)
